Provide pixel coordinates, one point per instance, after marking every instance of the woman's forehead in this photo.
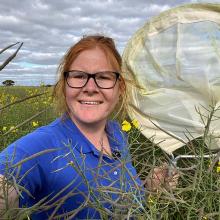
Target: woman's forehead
(90, 58)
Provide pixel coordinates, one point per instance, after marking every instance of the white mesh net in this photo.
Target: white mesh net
(175, 58)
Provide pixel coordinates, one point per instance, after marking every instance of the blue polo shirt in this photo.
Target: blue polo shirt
(59, 167)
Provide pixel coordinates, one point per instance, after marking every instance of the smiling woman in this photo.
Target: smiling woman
(90, 104)
(79, 166)
(105, 58)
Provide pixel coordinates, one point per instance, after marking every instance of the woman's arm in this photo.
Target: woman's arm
(8, 196)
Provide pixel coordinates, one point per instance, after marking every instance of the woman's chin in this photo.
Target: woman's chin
(88, 120)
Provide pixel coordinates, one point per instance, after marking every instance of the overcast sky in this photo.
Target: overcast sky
(49, 27)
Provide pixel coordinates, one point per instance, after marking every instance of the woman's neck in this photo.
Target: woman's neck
(96, 134)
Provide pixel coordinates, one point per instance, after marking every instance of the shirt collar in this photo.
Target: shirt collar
(117, 138)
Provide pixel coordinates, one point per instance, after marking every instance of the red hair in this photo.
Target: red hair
(88, 42)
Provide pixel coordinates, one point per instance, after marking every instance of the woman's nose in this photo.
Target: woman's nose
(90, 85)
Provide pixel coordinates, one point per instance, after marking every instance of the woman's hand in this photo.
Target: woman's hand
(163, 177)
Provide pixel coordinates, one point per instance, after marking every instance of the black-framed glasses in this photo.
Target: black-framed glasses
(79, 79)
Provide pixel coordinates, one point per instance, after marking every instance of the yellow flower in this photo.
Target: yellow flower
(218, 169)
(35, 124)
(126, 126)
(151, 200)
(13, 129)
(4, 128)
(135, 123)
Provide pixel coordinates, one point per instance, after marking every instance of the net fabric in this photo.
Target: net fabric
(175, 58)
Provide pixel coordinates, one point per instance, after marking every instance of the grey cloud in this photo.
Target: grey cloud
(48, 28)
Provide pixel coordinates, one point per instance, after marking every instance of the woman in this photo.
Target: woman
(79, 166)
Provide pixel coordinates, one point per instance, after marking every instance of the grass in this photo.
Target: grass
(197, 195)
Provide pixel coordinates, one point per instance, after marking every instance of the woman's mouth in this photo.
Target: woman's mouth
(90, 102)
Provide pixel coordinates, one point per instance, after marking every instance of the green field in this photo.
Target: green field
(197, 195)
(14, 116)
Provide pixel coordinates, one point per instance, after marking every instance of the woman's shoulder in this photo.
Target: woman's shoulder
(46, 141)
(113, 128)
(113, 125)
(44, 132)
(38, 140)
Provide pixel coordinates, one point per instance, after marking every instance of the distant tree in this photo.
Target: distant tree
(8, 82)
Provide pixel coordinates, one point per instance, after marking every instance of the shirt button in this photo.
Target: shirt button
(115, 172)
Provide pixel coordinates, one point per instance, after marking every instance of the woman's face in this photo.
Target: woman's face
(91, 105)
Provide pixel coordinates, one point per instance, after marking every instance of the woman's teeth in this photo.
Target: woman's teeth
(89, 103)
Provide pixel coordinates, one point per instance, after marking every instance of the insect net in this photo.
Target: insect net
(175, 59)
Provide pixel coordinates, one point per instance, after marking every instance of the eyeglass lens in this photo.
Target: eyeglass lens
(78, 79)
